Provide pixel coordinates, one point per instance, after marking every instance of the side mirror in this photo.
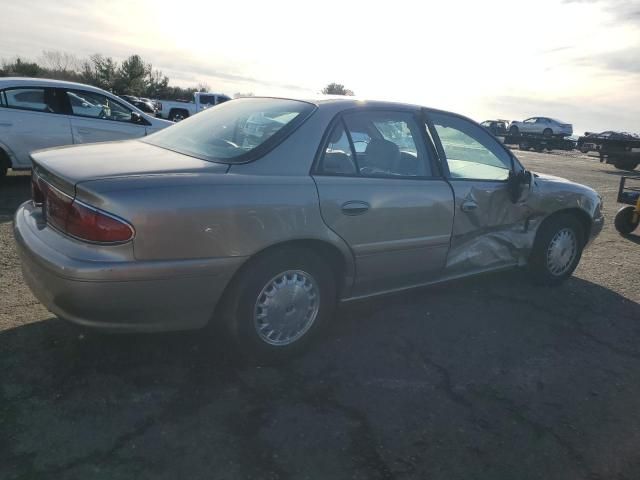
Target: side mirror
(516, 184)
(136, 118)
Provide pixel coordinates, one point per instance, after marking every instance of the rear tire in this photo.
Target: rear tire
(4, 164)
(547, 132)
(557, 250)
(624, 220)
(279, 303)
(514, 131)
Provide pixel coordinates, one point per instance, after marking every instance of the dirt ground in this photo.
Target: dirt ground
(487, 378)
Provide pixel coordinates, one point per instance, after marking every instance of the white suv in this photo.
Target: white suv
(38, 113)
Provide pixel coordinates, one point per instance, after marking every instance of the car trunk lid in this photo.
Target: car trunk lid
(65, 167)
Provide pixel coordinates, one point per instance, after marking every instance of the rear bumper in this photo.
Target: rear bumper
(119, 295)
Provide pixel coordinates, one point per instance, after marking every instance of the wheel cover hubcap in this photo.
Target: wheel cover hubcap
(286, 307)
(562, 251)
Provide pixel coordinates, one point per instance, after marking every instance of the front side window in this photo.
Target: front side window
(233, 131)
(96, 105)
(471, 152)
(30, 98)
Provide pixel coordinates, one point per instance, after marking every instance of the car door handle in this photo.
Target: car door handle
(84, 130)
(355, 207)
(468, 206)
(5, 124)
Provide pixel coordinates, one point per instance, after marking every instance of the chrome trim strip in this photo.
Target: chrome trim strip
(430, 282)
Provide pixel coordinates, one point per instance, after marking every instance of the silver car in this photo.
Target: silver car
(541, 125)
(258, 216)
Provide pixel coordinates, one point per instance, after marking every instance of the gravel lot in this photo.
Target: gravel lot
(487, 378)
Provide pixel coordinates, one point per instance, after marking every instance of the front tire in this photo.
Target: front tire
(547, 132)
(279, 303)
(624, 222)
(514, 131)
(557, 250)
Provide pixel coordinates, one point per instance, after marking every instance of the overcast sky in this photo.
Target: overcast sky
(577, 60)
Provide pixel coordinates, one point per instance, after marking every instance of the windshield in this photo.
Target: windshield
(232, 131)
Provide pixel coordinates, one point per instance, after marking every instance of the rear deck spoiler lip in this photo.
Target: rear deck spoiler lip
(51, 178)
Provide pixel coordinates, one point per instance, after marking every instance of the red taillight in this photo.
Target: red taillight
(56, 206)
(80, 220)
(90, 224)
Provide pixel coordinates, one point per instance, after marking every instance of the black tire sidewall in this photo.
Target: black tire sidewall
(627, 166)
(251, 282)
(622, 220)
(538, 258)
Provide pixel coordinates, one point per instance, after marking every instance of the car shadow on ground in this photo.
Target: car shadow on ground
(15, 190)
(632, 237)
(621, 173)
(483, 378)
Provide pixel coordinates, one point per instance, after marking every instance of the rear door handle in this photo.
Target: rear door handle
(468, 206)
(355, 207)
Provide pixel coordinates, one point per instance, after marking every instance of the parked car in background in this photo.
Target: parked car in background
(157, 106)
(621, 149)
(146, 106)
(591, 140)
(38, 113)
(143, 104)
(257, 216)
(496, 127)
(179, 110)
(129, 98)
(548, 127)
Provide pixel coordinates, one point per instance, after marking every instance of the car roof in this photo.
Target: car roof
(339, 103)
(6, 82)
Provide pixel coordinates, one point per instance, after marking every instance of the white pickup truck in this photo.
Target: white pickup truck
(176, 111)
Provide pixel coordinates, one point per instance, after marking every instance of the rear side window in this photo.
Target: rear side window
(376, 144)
(37, 99)
(235, 131)
(208, 99)
(338, 157)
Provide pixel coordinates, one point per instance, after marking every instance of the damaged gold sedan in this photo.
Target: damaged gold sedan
(257, 216)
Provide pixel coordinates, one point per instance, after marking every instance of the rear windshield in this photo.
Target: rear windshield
(235, 131)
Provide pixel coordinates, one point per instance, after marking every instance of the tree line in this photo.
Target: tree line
(132, 76)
